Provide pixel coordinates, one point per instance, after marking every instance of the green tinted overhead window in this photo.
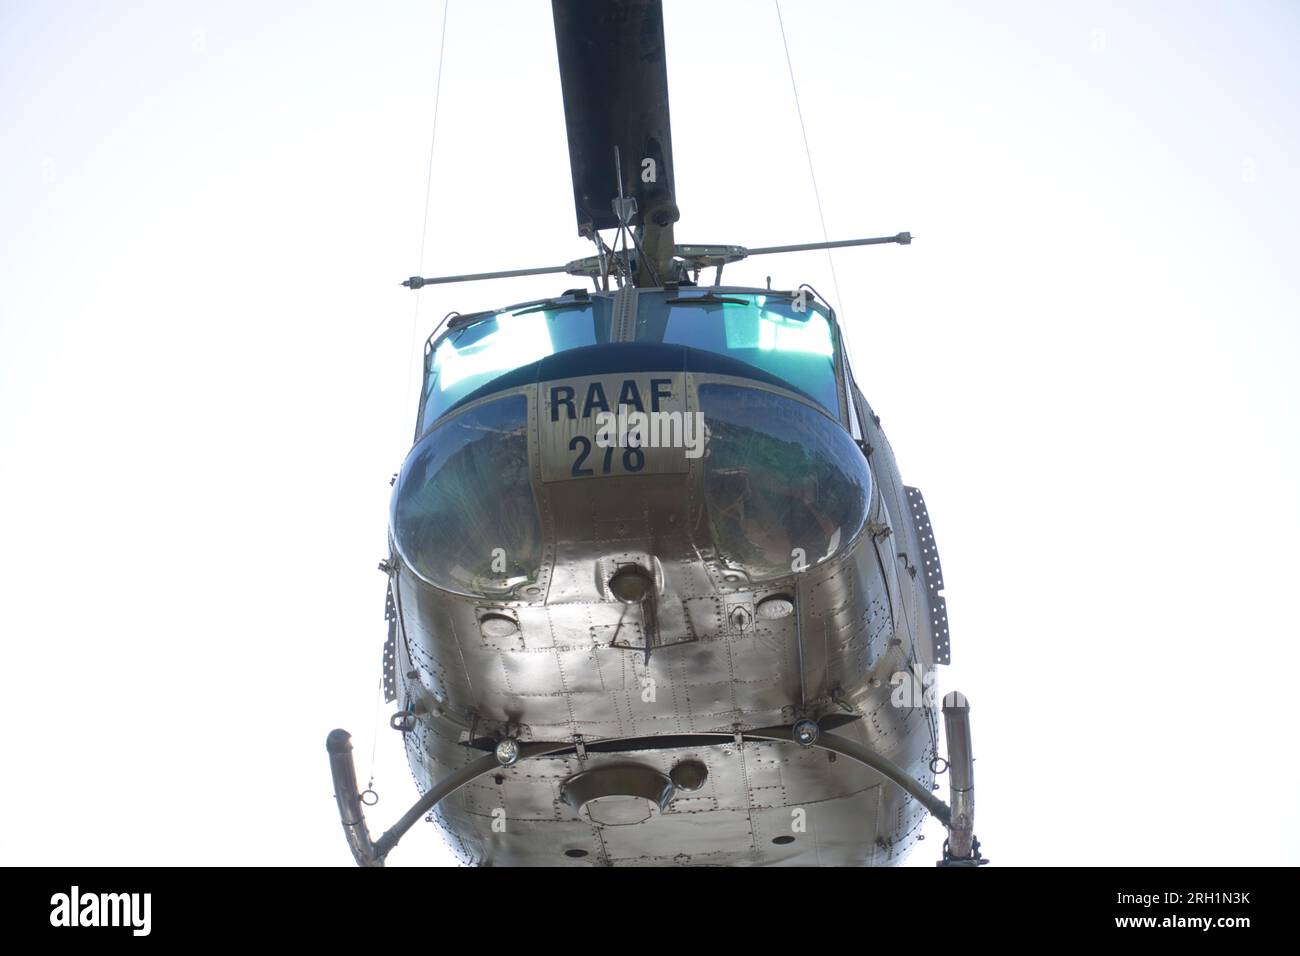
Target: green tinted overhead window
(466, 359)
(762, 330)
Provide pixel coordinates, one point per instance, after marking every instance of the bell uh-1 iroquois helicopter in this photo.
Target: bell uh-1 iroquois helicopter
(657, 593)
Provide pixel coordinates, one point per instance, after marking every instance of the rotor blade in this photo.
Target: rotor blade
(614, 78)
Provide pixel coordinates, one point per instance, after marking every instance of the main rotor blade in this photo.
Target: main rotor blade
(614, 78)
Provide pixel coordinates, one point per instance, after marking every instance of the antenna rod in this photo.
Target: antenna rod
(903, 239)
(416, 282)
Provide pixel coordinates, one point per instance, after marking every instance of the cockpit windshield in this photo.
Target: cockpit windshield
(764, 330)
(468, 358)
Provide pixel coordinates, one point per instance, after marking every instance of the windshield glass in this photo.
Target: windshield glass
(469, 358)
(782, 484)
(463, 514)
(762, 330)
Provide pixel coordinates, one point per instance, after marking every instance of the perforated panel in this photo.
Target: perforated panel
(390, 647)
(932, 575)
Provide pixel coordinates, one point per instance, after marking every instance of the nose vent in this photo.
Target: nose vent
(631, 584)
(619, 795)
(637, 586)
(630, 576)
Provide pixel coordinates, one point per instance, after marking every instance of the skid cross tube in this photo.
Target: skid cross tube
(865, 756)
(368, 853)
(352, 814)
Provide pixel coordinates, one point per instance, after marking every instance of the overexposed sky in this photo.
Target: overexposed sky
(1087, 361)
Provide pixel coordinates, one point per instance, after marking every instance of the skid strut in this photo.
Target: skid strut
(339, 745)
(960, 850)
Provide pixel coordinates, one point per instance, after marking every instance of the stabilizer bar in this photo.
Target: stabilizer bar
(690, 257)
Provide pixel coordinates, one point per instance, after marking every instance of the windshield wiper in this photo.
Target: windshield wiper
(707, 299)
(554, 306)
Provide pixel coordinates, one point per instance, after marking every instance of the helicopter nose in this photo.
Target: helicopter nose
(782, 487)
(773, 487)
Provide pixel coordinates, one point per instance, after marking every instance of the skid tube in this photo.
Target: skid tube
(805, 733)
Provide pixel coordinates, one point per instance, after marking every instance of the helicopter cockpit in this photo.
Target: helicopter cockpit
(507, 414)
(766, 331)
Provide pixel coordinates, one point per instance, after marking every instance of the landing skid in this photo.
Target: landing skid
(960, 849)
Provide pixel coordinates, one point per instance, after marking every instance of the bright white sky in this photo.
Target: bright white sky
(1087, 361)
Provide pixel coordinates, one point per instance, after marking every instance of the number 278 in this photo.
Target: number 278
(633, 458)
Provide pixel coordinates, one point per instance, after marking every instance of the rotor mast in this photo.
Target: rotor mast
(614, 79)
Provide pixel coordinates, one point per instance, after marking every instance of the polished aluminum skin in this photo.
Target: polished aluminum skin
(847, 635)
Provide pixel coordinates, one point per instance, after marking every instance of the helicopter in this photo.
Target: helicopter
(657, 594)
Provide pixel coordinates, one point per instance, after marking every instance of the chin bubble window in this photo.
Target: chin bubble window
(786, 487)
(463, 514)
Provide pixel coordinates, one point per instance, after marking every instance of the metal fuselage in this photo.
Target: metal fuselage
(559, 657)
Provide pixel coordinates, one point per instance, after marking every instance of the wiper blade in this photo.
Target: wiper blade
(708, 299)
(556, 305)
(469, 318)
